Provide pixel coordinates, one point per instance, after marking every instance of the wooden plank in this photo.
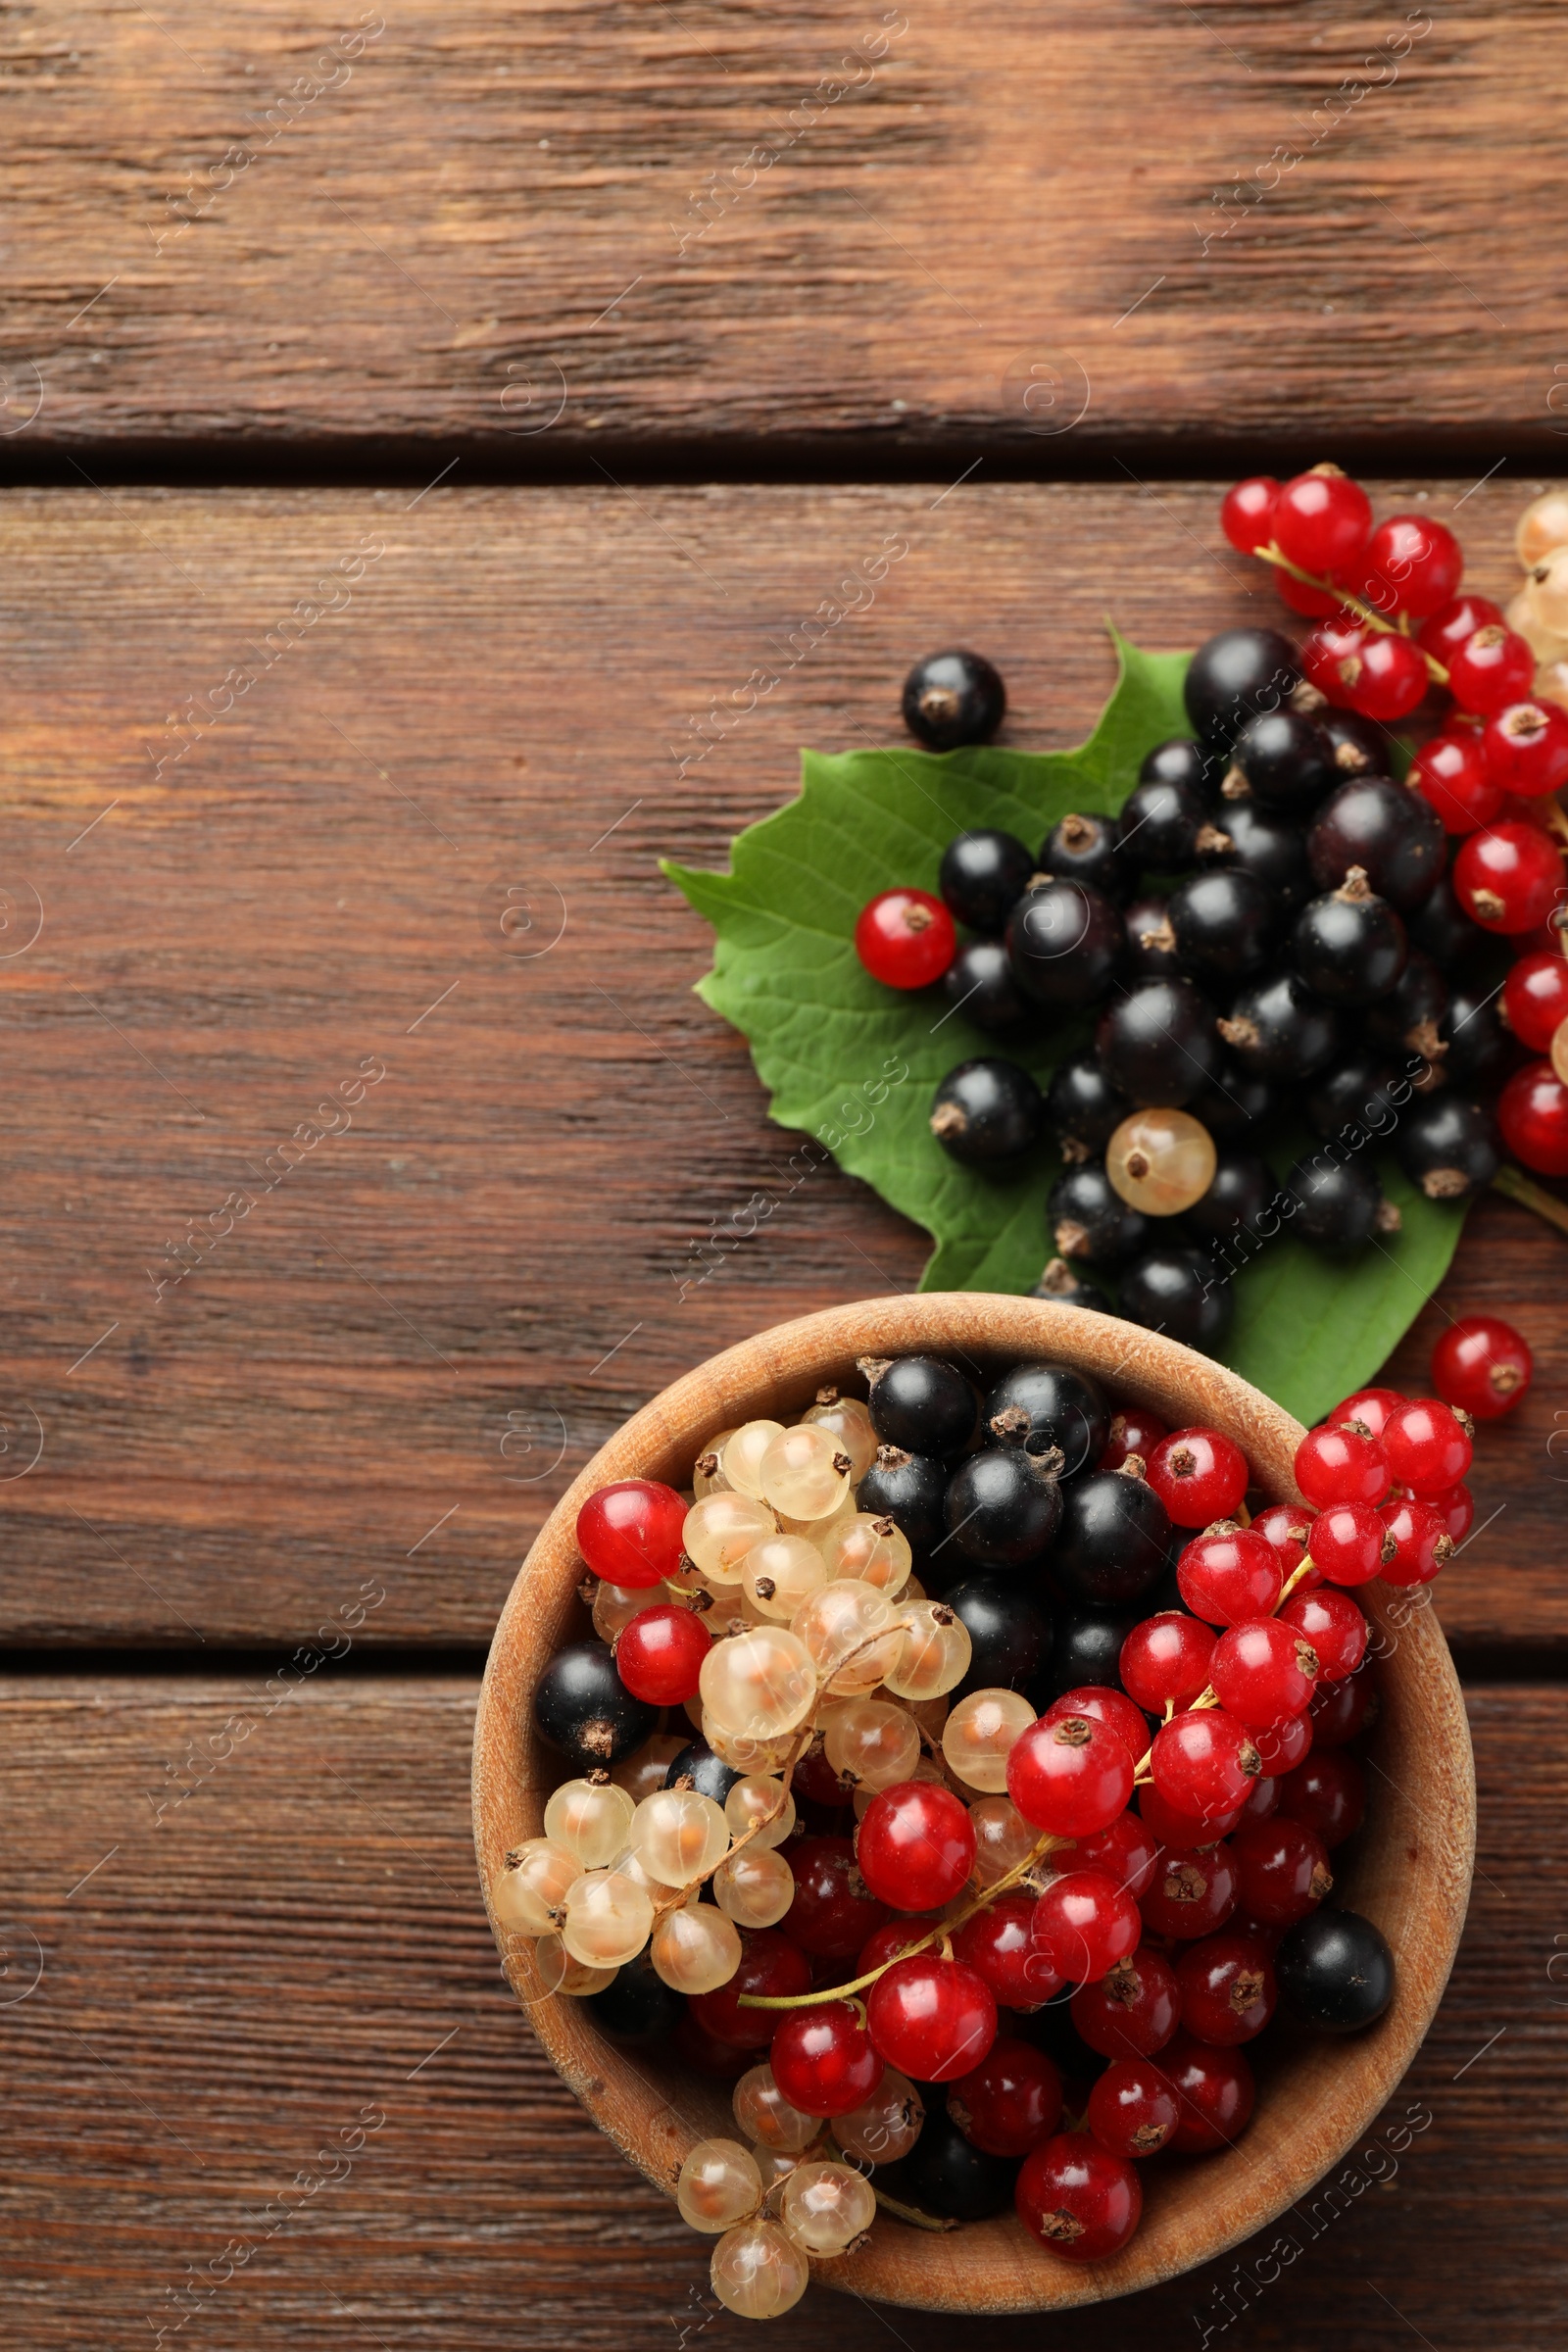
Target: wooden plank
(195, 2008)
(604, 224)
(398, 1356)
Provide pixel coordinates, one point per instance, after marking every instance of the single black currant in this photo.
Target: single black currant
(1239, 675)
(1340, 1203)
(1042, 1406)
(921, 1403)
(1334, 1971)
(1161, 818)
(909, 1489)
(1448, 1146)
(1082, 1105)
(979, 983)
(952, 699)
(1002, 1508)
(1350, 946)
(1233, 1101)
(1083, 849)
(1481, 1050)
(583, 1709)
(1063, 1287)
(1266, 845)
(1222, 919)
(1086, 1649)
(638, 2007)
(1441, 927)
(1179, 1292)
(1408, 1020)
(700, 1769)
(1279, 1029)
(1242, 1187)
(1087, 1218)
(1065, 939)
(1387, 830)
(1353, 1095)
(1157, 1043)
(1360, 745)
(1115, 1536)
(947, 2175)
(1284, 760)
(1010, 1633)
(983, 874)
(1150, 940)
(987, 1113)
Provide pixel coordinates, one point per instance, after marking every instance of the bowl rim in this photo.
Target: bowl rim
(1411, 1874)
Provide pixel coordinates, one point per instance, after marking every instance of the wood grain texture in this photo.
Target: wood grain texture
(606, 222)
(400, 1356)
(303, 1938)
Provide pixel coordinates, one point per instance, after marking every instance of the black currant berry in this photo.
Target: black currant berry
(583, 1709)
(983, 875)
(1082, 1105)
(1181, 760)
(1284, 760)
(1350, 946)
(1087, 1219)
(1441, 927)
(1264, 844)
(1387, 830)
(1161, 818)
(947, 2175)
(1340, 1203)
(1360, 745)
(1157, 1043)
(1239, 675)
(638, 2007)
(1150, 940)
(1278, 1029)
(1334, 1971)
(979, 983)
(704, 1772)
(1242, 1189)
(1009, 1635)
(987, 1113)
(1354, 1093)
(1063, 1287)
(1481, 1050)
(1058, 1406)
(1233, 1101)
(952, 699)
(1065, 939)
(1408, 1019)
(921, 1403)
(1222, 919)
(1177, 1291)
(1448, 1146)
(1083, 849)
(1086, 1649)
(909, 1489)
(1115, 1535)
(1002, 1508)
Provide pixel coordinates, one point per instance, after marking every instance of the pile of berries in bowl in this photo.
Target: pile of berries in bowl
(958, 1776)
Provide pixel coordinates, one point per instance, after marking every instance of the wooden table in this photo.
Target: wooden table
(498, 323)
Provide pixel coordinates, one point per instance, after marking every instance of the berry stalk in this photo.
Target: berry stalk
(1532, 1196)
(1363, 611)
(1209, 1696)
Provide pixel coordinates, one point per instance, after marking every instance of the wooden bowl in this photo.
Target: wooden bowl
(1409, 1868)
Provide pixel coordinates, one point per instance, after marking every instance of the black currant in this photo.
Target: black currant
(1354, 1093)
(1264, 844)
(1002, 1508)
(1081, 1103)
(1087, 1219)
(1239, 675)
(1113, 1540)
(1408, 1019)
(1448, 1146)
(1441, 927)
(1339, 1204)
(1284, 760)
(1350, 946)
(1065, 939)
(707, 1772)
(909, 1489)
(921, 1403)
(979, 983)
(1388, 831)
(583, 1709)
(1222, 919)
(1157, 1043)
(1009, 1635)
(1150, 940)
(1177, 1291)
(1278, 1029)
(638, 2007)
(1160, 821)
(1335, 1970)
(1063, 1287)
(1481, 1050)
(952, 699)
(1083, 849)
(987, 1113)
(1360, 745)
(1058, 1407)
(1181, 760)
(1086, 1649)
(1242, 1189)
(947, 2175)
(1233, 1101)
(983, 874)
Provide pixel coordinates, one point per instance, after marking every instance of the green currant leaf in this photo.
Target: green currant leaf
(855, 1064)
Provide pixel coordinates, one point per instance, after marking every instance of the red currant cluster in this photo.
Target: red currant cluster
(980, 1896)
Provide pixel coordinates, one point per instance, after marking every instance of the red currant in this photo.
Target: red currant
(1284, 1525)
(1194, 1891)
(1010, 2101)
(893, 1940)
(1199, 1476)
(1526, 749)
(1428, 1446)
(727, 2060)
(1246, 513)
(1455, 624)
(770, 1964)
(1110, 1707)
(1370, 1406)
(1303, 597)
(1342, 1711)
(816, 1778)
(1126, 1852)
(1132, 2108)
(1535, 997)
(1328, 1793)
(823, 2058)
(1347, 1542)
(1387, 678)
(1173, 1825)
(1264, 1799)
(1215, 2090)
(1322, 520)
(1414, 565)
(932, 2018)
(1333, 1624)
(1507, 878)
(1134, 2009)
(999, 1945)
(1282, 1870)
(1263, 1672)
(1457, 1508)
(1451, 775)
(632, 1533)
(1422, 1544)
(916, 1845)
(1490, 670)
(1084, 1924)
(1071, 1777)
(1138, 1432)
(905, 938)
(1533, 1115)
(1281, 1746)
(1228, 1990)
(1077, 2198)
(834, 1910)
(659, 1654)
(1336, 639)
(1166, 1657)
(1228, 1575)
(1342, 1463)
(1204, 1761)
(1482, 1364)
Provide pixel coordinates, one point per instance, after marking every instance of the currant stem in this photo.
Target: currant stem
(1531, 1196)
(1352, 604)
(1209, 1696)
(912, 2212)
